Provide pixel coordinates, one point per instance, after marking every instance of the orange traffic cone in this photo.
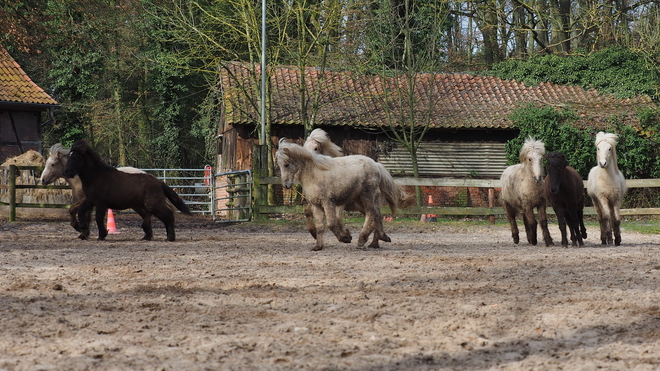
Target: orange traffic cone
(431, 217)
(112, 227)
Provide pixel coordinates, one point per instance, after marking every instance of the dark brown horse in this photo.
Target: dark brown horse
(564, 190)
(108, 188)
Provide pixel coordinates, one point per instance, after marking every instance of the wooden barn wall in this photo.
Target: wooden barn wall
(25, 124)
(445, 153)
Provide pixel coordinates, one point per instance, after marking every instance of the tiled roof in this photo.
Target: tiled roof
(450, 100)
(16, 86)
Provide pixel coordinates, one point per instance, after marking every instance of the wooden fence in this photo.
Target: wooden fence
(262, 209)
(490, 184)
(12, 187)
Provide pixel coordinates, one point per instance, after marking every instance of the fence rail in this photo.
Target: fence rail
(199, 189)
(474, 211)
(193, 185)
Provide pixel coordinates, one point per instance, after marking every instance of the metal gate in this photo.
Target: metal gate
(194, 186)
(232, 196)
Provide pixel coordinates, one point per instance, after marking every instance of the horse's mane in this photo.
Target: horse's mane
(557, 159)
(612, 138)
(58, 148)
(531, 145)
(326, 146)
(291, 152)
(84, 147)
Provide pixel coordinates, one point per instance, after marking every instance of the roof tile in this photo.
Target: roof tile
(458, 100)
(16, 86)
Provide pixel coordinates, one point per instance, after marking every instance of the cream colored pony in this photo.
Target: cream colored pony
(319, 142)
(606, 187)
(330, 183)
(522, 191)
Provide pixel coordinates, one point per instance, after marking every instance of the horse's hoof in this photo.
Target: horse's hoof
(374, 245)
(346, 239)
(516, 239)
(385, 238)
(146, 238)
(317, 248)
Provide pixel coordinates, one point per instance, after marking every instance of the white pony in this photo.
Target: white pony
(319, 142)
(333, 182)
(606, 187)
(522, 191)
(54, 169)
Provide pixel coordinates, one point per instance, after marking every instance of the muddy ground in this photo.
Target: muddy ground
(441, 296)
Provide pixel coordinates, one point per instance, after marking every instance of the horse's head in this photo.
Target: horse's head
(606, 148)
(556, 165)
(531, 155)
(76, 158)
(54, 164)
(292, 159)
(289, 168)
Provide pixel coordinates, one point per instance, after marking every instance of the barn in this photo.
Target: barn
(24, 109)
(467, 116)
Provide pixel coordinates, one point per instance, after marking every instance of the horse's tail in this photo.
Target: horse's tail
(175, 199)
(393, 192)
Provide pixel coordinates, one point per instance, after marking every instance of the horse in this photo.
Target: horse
(564, 190)
(54, 170)
(522, 192)
(105, 188)
(332, 182)
(319, 142)
(606, 187)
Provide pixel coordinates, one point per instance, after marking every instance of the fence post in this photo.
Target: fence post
(491, 203)
(260, 169)
(12, 192)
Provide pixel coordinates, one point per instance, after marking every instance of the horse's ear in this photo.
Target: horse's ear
(282, 140)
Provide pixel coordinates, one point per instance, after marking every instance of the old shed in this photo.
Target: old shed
(24, 109)
(467, 115)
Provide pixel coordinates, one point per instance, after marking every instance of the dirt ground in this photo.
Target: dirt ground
(441, 296)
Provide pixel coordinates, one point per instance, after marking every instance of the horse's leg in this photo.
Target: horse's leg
(616, 224)
(83, 223)
(100, 221)
(574, 225)
(73, 214)
(146, 223)
(530, 225)
(511, 217)
(606, 222)
(543, 220)
(580, 214)
(334, 222)
(372, 220)
(356, 205)
(601, 220)
(379, 234)
(319, 220)
(165, 215)
(339, 211)
(309, 217)
(561, 220)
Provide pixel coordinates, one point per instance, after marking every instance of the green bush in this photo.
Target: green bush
(638, 151)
